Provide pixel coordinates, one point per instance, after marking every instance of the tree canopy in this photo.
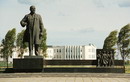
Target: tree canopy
(43, 43)
(124, 41)
(19, 43)
(8, 44)
(111, 40)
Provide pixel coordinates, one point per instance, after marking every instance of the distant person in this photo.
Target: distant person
(34, 30)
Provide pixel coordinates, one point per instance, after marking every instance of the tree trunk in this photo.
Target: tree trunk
(123, 54)
(7, 62)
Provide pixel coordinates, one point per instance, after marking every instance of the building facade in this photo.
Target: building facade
(72, 52)
(61, 53)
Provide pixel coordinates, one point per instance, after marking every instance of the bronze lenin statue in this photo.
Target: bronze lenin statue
(34, 30)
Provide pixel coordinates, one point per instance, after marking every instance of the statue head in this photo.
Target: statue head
(32, 9)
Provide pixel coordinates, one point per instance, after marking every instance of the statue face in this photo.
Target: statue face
(32, 9)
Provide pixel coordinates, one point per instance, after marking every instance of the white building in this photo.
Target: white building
(72, 52)
(62, 52)
(50, 52)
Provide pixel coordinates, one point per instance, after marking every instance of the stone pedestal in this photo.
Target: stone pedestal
(28, 64)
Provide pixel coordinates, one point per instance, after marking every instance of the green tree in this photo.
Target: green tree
(8, 44)
(111, 41)
(43, 43)
(21, 47)
(124, 41)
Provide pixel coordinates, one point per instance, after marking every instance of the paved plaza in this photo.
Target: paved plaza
(64, 77)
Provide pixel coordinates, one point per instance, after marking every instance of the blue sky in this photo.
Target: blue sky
(69, 22)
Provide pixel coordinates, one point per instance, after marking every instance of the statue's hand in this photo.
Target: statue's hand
(24, 24)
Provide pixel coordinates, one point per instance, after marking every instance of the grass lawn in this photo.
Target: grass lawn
(4, 64)
(127, 68)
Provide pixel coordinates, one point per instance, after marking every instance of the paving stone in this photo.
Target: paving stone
(67, 77)
(79, 79)
(64, 79)
(61, 79)
(87, 79)
(95, 79)
(122, 79)
(70, 79)
(52, 79)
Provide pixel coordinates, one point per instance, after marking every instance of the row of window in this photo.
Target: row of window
(57, 50)
(68, 50)
(73, 56)
(92, 56)
(91, 50)
(57, 56)
(49, 51)
(73, 53)
(72, 50)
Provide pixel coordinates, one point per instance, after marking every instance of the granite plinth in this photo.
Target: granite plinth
(84, 70)
(28, 64)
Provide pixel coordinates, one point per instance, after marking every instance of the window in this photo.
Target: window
(93, 56)
(79, 56)
(89, 56)
(93, 50)
(60, 50)
(81, 50)
(88, 50)
(54, 50)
